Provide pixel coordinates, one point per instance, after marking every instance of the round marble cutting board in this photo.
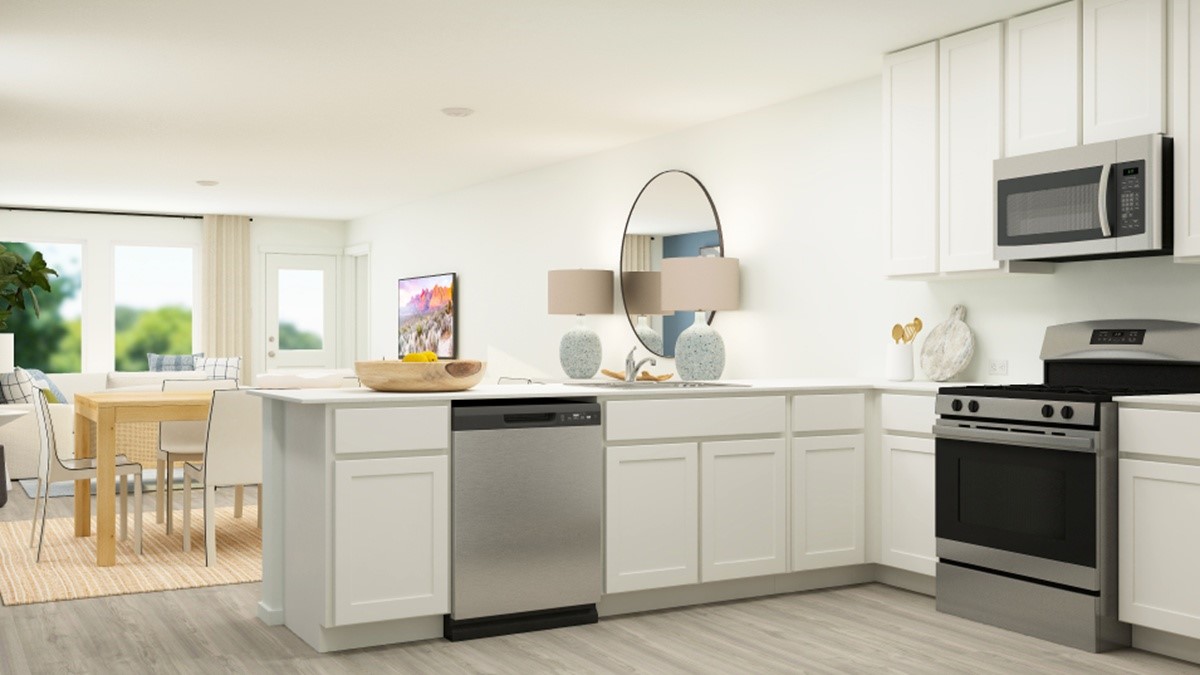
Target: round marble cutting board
(949, 348)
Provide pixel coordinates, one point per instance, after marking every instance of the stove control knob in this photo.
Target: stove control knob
(956, 405)
(1047, 411)
(973, 406)
(1067, 412)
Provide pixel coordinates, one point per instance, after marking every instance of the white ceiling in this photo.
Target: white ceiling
(325, 109)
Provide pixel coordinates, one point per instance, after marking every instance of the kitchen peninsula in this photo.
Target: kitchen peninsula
(775, 486)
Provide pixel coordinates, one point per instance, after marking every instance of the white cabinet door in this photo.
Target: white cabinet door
(1041, 80)
(1124, 69)
(828, 473)
(1185, 119)
(970, 98)
(652, 516)
(743, 515)
(908, 512)
(910, 137)
(391, 539)
(1160, 546)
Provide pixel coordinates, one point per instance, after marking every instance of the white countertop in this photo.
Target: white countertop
(500, 391)
(1177, 401)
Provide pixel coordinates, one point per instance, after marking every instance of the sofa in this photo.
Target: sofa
(138, 441)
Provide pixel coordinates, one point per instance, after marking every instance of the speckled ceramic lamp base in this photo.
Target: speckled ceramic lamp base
(651, 339)
(700, 351)
(579, 352)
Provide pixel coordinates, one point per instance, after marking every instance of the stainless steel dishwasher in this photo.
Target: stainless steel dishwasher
(526, 510)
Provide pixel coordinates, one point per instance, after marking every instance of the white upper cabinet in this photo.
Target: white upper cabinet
(970, 83)
(1042, 80)
(910, 150)
(1185, 117)
(1124, 72)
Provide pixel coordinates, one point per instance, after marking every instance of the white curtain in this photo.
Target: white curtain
(636, 255)
(226, 295)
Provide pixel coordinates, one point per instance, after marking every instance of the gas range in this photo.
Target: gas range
(1026, 480)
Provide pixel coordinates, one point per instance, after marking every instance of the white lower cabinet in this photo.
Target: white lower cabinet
(828, 476)
(743, 528)
(652, 516)
(908, 504)
(1160, 545)
(391, 539)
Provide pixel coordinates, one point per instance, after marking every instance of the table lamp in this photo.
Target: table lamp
(580, 292)
(643, 297)
(702, 285)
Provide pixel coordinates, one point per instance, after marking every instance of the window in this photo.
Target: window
(153, 294)
(301, 316)
(52, 342)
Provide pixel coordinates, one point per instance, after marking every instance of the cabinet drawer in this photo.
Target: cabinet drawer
(391, 429)
(684, 418)
(827, 412)
(905, 412)
(1173, 433)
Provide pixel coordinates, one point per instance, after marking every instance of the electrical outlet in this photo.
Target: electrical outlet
(997, 366)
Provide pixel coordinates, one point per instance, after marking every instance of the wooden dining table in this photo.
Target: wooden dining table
(106, 410)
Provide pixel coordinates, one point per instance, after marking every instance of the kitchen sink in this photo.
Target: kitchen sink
(646, 384)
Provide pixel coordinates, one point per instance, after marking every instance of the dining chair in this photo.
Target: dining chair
(53, 469)
(232, 456)
(180, 442)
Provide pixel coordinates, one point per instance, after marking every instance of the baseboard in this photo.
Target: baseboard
(1167, 644)
(909, 581)
(269, 615)
(375, 634)
(734, 589)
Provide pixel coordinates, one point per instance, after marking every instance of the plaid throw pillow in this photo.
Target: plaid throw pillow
(172, 362)
(229, 368)
(41, 381)
(17, 386)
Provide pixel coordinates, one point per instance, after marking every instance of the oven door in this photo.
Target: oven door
(1019, 503)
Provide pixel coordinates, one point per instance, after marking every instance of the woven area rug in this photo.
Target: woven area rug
(68, 568)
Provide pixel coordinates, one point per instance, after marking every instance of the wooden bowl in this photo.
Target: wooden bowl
(454, 375)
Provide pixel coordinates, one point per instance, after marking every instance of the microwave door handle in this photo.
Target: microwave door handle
(1102, 200)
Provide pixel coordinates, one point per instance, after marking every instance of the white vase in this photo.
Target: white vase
(579, 352)
(899, 367)
(650, 338)
(6, 353)
(700, 351)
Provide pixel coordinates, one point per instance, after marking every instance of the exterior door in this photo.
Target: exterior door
(301, 293)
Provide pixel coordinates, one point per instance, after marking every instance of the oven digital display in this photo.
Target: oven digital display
(1131, 336)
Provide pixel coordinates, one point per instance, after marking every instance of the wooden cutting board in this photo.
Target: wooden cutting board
(949, 348)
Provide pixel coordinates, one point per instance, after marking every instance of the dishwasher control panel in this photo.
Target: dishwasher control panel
(485, 414)
(582, 418)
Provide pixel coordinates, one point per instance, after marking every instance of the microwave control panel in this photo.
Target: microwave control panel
(1131, 198)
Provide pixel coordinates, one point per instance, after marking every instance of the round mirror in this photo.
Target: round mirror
(672, 217)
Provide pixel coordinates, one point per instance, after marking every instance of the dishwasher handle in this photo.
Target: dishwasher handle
(530, 418)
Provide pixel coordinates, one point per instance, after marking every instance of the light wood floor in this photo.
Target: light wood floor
(860, 629)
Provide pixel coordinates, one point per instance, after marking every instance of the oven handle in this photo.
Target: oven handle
(1069, 443)
(1102, 200)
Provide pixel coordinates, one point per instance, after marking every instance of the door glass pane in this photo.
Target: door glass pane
(153, 291)
(53, 340)
(301, 309)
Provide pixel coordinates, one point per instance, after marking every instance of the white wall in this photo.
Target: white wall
(797, 186)
(100, 233)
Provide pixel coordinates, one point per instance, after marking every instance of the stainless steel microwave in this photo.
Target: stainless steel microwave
(1101, 200)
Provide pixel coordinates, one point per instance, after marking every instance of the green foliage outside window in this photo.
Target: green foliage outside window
(164, 330)
(48, 340)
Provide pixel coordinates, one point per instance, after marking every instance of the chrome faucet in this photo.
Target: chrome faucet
(632, 368)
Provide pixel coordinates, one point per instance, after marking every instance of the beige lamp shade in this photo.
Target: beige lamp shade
(700, 284)
(580, 291)
(643, 292)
